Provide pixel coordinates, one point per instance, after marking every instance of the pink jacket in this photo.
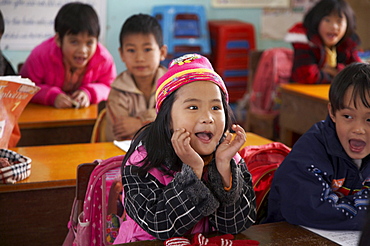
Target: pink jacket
(45, 67)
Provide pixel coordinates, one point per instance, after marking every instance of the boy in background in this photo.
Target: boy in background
(7, 69)
(131, 101)
(5, 66)
(72, 68)
(324, 181)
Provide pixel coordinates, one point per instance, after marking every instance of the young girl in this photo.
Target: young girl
(72, 68)
(324, 43)
(182, 173)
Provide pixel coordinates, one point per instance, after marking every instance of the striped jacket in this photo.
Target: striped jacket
(174, 206)
(310, 56)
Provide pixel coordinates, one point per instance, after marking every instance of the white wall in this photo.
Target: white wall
(119, 10)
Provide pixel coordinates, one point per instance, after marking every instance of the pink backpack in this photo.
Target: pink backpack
(90, 227)
(274, 68)
(262, 161)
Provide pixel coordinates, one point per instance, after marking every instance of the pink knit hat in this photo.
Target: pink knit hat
(184, 70)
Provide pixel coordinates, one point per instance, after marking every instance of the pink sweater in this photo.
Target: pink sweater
(45, 67)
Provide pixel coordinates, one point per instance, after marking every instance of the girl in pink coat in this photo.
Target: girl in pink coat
(72, 68)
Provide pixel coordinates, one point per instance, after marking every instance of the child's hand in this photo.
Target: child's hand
(227, 149)
(181, 144)
(81, 98)
(330, 70)
(126, 127)
(63, 101)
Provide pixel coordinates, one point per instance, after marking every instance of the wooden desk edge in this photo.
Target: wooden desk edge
(287, 89)
(24, 123)
(33, 125)
(37, 185)
(254, 233)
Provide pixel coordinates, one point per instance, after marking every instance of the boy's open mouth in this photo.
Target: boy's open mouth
(357, 145)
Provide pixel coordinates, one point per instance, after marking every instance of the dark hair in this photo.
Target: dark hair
(76, 17)
(326, 7)
(2, 25)
(143, 24)
(156, 138)
(356, 75)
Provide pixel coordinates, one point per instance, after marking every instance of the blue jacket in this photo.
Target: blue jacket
(318, 185)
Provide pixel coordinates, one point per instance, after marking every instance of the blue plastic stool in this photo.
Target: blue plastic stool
(191, 32)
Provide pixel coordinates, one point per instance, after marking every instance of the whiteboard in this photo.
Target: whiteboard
(251, 3)
(29, 22)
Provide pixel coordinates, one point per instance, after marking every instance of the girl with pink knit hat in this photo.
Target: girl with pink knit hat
(182, 174)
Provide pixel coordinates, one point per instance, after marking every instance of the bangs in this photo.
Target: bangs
(362, 92)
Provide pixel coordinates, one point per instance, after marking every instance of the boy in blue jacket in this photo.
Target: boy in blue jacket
(324, 181)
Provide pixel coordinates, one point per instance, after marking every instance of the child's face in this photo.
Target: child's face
(142, 55)
(332, 29)
(198, 108)
(77, 49)
(353, 126)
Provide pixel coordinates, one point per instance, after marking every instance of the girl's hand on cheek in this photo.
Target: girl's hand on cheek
(228, 148)
(181, 144)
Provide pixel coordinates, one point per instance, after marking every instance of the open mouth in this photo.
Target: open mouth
(356, 145)
(80, 60)
(204, 136)
(332, 35)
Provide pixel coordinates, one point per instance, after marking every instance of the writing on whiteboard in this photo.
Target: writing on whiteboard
(29, 22)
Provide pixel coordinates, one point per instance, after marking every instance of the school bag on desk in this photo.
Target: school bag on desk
(262, 161)
(92, 225)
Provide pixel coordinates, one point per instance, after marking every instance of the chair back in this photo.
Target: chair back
(83, 174)
(98, 133)
(254, 57)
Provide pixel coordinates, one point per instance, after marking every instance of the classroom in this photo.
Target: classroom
(64, 146)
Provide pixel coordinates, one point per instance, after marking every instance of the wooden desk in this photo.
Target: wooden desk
(43, 125)
(302, 106)
(276, 234)
(41, 204)
(36, 210)
(55, 166)
(254, 139)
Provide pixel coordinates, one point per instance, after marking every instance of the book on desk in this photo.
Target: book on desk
(15, 94)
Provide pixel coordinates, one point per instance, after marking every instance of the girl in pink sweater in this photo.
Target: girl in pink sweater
(72, 68)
